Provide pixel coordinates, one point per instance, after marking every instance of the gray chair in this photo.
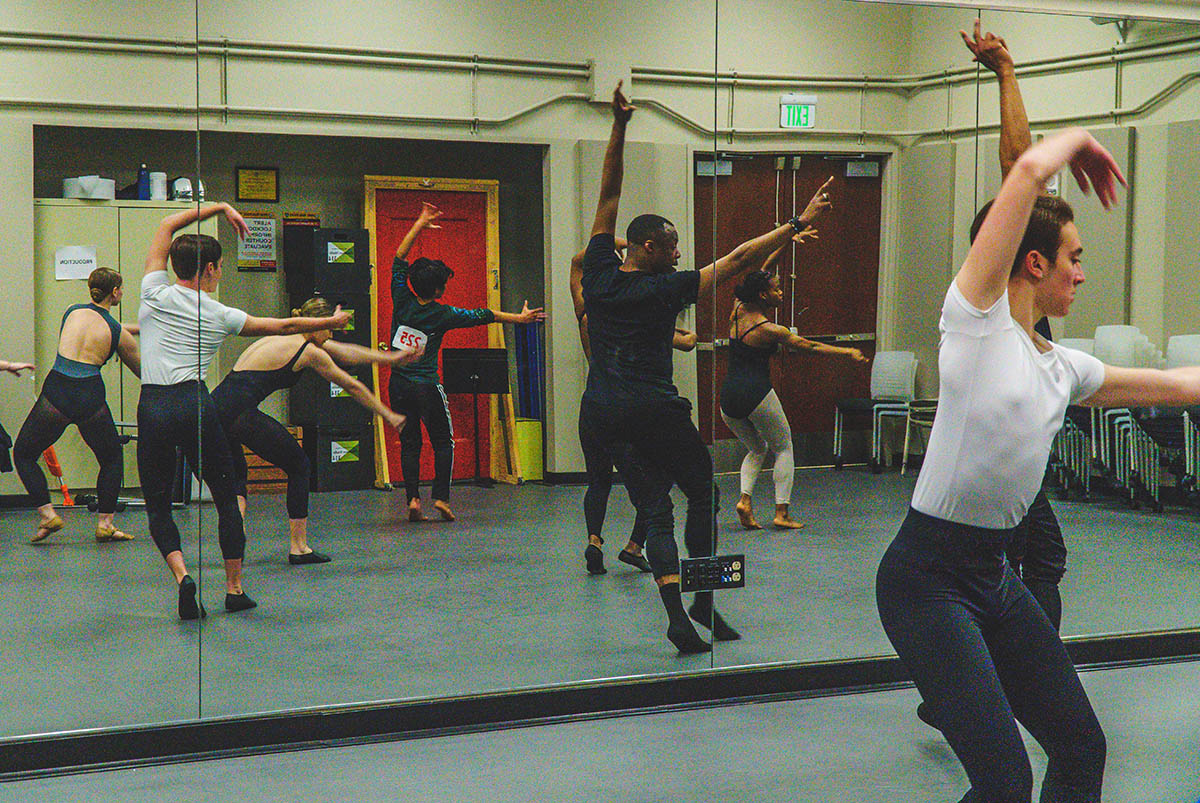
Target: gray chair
(893, 383)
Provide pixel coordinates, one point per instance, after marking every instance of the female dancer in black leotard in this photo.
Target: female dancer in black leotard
(749, 405)
(73, 393)
(273, 363)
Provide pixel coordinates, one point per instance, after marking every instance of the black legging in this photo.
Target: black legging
(423, 402)
(1038, 556)
(271, 441)
(982, 652)
(169, 418)
(667, 450)
(68, 400)
(599, 462)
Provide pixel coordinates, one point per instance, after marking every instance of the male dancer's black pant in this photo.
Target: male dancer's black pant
(1038, 556)
(982, 652)
(667, 450)
(184, 417)
(598, 460)
(423, 402)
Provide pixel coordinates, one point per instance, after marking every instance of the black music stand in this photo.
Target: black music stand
(475, 371)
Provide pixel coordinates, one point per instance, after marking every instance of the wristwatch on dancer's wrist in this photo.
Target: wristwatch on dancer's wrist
(797, 224)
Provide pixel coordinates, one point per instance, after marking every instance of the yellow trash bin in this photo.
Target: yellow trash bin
(529, 448)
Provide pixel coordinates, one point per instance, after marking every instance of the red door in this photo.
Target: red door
(461, 243)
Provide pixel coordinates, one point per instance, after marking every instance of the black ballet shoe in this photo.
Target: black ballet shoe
(686, 639)
(638, 562)
(239, 602)
(925, 715)
(709, 618)
(595, 560)
(307, 558)
(189, 606)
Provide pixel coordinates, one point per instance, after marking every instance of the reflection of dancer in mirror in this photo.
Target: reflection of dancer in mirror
(415, 390)
(73, 393)
(749, 405)
(978, 645)
(597, 459)
(631, 398)
(274, 363)
(1037, 553)
(181, 330)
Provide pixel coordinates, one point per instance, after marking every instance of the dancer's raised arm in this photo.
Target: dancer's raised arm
(753, 253)
(613, 171)
(160, 244)
(983, 277)
(992, 52)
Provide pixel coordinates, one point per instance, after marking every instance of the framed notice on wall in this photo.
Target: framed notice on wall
(257, 251)
(257, 184)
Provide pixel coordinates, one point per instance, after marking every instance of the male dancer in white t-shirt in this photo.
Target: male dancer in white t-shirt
(181, 330)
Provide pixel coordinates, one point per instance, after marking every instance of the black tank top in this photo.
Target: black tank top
(75, 368)
(748, 379)
(240, 391)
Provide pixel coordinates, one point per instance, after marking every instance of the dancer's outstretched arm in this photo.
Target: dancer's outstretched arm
(425, 220)
(352, 354)
(320, 361)
(753, 253)
(160, 244)
(983, 277)
(992, 52)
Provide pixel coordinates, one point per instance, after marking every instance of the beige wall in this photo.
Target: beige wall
(831, 37)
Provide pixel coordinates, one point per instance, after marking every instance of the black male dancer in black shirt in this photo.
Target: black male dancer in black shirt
(631, 399)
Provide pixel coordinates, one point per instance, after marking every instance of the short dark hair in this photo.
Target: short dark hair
(102, 282)
(1044, 231)
(752, 287)
(190, 253)
(646, 227)
(429, 276)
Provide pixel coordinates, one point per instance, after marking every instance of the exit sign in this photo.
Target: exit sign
(798, 111)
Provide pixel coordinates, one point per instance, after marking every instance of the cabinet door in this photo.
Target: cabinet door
(55, 227)
(137, 226)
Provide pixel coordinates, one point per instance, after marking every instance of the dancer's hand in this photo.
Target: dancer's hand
(857, 356)
(237, 221)
(15, 368)
(621, 244)
(528, 315)
(429, 214)
(988, 49)
(340, 318)
(396, 420)
(1091, 163)
(406, 356)
(809, 232)
(817, 204)
(622, 109)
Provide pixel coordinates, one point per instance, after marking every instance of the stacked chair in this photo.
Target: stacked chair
(893, 384)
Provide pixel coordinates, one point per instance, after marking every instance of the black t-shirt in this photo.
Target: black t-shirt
(631, 321)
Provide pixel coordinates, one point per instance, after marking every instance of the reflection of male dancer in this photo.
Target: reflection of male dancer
(630, 396)
(1037, 554)
(598, 460)
(419, 320)
(181, 330)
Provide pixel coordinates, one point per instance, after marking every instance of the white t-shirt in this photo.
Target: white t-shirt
(1000, 404)
(181, 330)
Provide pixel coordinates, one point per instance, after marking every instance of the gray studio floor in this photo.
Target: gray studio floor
(497, 600)
(866, 748)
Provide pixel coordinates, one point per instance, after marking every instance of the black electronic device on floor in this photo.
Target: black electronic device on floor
(475, 371)
(710, 574)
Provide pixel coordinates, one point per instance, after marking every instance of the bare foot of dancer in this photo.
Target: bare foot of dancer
(444, 509)
(746, 513)
(783, 521)
(414, 510)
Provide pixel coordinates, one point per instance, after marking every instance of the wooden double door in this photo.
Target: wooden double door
(830, 285)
